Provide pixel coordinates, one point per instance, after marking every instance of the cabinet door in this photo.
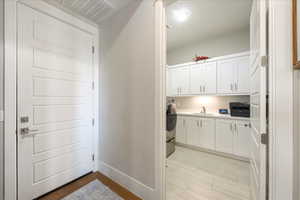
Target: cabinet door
(197, 79)
(224, 136)
(207, 134)
(181, 130)
(193, 131)
(209, 77)
(183, 77)
(242, 139)
(242, 84)
(226, 76)
(173, 82)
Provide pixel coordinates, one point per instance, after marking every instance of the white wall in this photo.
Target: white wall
(235, 42)
(296, 135)
(212, 103)
(127, 152)
(1, 98)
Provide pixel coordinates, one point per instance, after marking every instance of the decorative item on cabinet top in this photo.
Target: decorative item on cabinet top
(222, 76)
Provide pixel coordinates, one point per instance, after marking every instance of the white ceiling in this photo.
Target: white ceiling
(94, 10)
(209, 18)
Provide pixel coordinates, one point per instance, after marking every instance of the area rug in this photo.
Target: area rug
(93, 191)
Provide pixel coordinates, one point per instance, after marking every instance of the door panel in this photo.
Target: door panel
(181, 130)
(55, 93)
(243, 76)
(208, 134)
(184, 80)
(210, 78)
(243, 136)
(193, 131)
(224, 136)
(258, 30)
(197, 79)
(226, 76)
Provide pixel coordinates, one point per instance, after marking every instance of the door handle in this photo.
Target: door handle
(28, 132)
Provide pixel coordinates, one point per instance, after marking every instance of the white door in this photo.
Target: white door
(224, 135)
(210, 78)
(55, 68)
(258, 24)
(207, 133)
(193, 131)
(226, 76)
(242, 84)
(197, 79)
(242, 138)
(181, 130)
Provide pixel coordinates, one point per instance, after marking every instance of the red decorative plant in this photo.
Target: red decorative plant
(199, 58)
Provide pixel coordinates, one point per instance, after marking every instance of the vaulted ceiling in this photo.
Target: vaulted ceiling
(94, 10)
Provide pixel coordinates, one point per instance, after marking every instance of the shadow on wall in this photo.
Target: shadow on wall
(115, 24)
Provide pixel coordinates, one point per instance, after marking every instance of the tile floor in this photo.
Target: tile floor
(195, 175)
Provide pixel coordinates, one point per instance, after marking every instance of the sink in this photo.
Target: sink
(204, 114)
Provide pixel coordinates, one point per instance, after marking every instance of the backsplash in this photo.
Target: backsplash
(212, 103)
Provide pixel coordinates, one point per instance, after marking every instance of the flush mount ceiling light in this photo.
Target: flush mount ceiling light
(182, 14)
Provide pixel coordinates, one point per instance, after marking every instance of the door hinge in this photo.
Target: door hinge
(93, 157)
(264, 61)
(93, 121)
(93, 49)
(264, 138)
(93, 85)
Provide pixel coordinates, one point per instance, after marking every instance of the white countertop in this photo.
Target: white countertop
(212, 115)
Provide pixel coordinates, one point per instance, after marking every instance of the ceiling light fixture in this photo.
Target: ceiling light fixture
(182, 14)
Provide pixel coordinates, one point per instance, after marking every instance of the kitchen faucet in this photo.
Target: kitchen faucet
(203, 109)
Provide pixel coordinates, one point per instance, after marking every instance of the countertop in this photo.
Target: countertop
(212, 115)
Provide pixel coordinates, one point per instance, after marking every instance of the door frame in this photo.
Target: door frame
(10, 83)
(280, 90)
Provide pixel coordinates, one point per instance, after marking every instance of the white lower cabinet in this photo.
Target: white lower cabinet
(208, 133)
(233, 137)
(242, 139)
(181, 130)
(200, 132)
(222, 135)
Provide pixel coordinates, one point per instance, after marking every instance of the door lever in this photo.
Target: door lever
(28, 132)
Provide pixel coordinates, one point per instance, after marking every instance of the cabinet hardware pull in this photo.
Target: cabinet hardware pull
(231, 87)
(200, 88)
(201, 123)
(236, 86)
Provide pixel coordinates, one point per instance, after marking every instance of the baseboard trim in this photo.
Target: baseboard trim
(128, 182)
(226, 155)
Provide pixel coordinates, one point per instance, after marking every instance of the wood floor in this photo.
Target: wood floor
(77, 184)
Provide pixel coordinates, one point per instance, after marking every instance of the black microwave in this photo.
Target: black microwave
(239, 109)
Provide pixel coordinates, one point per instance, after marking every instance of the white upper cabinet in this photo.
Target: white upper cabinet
(242, 84)
(234, 76)
(203, 78)
(225, 75)
(179, 81)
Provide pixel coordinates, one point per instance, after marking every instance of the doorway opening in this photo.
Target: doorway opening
(216, 100)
